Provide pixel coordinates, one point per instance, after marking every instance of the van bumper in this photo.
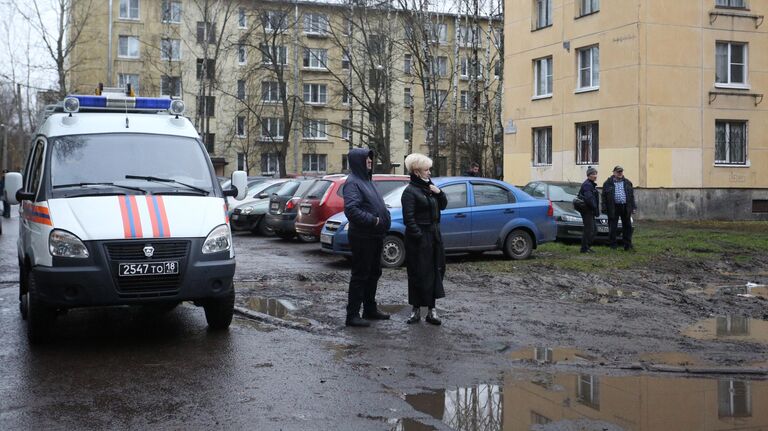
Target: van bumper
(72, 283)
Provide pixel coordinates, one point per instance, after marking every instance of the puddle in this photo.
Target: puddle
(749, 290)
(676, 359)
(730, 328)
(567, 401)
(279, 308)
(409, 424)
(556, 355)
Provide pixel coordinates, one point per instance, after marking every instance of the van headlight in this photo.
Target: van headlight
(220, 239)
(64, 244)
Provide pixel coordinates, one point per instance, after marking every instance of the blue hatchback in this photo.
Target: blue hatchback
(482, 215)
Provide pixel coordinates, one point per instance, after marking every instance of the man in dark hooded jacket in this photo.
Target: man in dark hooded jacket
(369, 222)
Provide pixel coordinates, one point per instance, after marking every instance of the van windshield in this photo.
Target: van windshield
(109, 158)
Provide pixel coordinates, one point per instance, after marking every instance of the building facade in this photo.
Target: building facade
(671, 91)
(297, 83)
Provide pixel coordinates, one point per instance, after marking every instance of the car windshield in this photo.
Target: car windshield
(563, 192)
(84, 160)
(304, 187)
(392, 199)
(318, 189)
(288, 189)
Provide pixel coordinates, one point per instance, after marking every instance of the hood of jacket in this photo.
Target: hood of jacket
(357, 165)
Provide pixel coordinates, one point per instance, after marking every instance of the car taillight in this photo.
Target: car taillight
(550, 210)
(290, 204)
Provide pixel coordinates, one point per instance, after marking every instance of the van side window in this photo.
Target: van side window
(35, 169)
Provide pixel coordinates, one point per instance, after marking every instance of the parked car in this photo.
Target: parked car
(283, 207)
(482, 215)
(326, 198)
(569, 222)
(249, 215)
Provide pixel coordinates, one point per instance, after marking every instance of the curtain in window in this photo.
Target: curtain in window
(720, 144)
(595, 66)
(721, 60)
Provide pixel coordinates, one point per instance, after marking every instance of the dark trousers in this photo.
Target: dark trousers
(6, 208)
(590, 226)
(621, 211)
(366, 270)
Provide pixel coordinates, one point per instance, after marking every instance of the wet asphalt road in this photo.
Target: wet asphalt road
(124, 368)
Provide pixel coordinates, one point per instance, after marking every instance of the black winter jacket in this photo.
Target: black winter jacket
(362, 200)
(421, 207)
(591, 197)
(609, 191)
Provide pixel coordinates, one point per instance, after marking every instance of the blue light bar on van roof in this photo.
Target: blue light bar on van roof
(119, 103)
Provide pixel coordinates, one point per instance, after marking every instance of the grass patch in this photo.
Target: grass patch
(655, 242)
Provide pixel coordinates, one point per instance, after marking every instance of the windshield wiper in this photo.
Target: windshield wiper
(166, 180)
(63, 186)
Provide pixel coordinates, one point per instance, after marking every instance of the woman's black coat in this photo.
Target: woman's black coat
(424, 254)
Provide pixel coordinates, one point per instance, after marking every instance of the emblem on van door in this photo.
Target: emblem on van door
(149, 251)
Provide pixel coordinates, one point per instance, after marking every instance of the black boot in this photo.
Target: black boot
(375, 315)
(415, 316)
(356, 321)
(432, 317)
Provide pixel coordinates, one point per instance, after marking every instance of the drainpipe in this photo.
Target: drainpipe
(109, 44)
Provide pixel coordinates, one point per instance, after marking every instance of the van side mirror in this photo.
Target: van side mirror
(12, 190)
(238, 186)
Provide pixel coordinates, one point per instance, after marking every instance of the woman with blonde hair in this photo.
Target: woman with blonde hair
(422, 202)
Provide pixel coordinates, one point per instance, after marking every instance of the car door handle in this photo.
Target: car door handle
(509, 211)
(460, 215)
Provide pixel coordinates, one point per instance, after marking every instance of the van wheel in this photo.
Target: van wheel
(40, 317)
(218, 311)
(518, 245)
(393, 253)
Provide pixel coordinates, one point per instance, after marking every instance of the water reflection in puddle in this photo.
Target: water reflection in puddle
(748, 290)
(557, 355)
(730, 328)
(279, 308)
(592, 402)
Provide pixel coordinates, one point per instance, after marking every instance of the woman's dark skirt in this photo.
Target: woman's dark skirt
(425, 260)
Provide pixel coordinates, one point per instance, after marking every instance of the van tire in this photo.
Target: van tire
(219, 311)
(518, 245)
(40, 317)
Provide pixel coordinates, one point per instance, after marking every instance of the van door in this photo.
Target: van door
(32, 233)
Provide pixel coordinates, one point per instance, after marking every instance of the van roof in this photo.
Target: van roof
(86, 123)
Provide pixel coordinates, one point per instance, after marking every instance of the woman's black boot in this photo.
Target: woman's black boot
(432, 317)
(415, 316)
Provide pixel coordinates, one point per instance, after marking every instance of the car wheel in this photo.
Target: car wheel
(40, 317)
(393, 253)
(219, 311)
(518, 245)
(303, 237)
(262, 228)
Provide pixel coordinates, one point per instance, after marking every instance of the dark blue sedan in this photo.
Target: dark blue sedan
(482, 215)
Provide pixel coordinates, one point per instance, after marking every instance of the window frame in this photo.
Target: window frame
(314, 20)
(346, 129)
(240, 92)
(594, 67)
(167, 80)
(270, 159)
(594, 142)
(242, 55)
(745, 4)
(240, 126)
(538, 23)
(273, 90)
(129, 9)
(168, 6)
(128, 38)
(594, 7)
(310, 54)
(745, 65)
(537, 63)
(537, 160)
(318, 93)
(408, 64)
(174, 49)
(270, 123)
(727, 150)
(311, 125)
(242, 18)
(319, 160)
(121, 82)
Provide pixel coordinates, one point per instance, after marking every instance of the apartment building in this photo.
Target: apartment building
(223, 58)
(670, 90)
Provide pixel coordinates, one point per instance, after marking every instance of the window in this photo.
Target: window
(315, 58)
(171, 12)
(170, 86)
(467, 69)
(542, 70)
(542, 146)
(731, 64)
(269, 164)
(741, 4)
(271, 91)
(346, 96)
(345, 60)
(209, 139)
(588, 391)
(241, 89)
(440, 66)
(469, 36)
(313, 162)
(346, 130)
(589, 68)
(170, 49)
(497, 68)
(587, 7)
(491, 194)
(730, 142)
(128, 46)
(206, 31)
(206, 68)
(241, 162)
(437, 32)
(34, 173)
(587, 143)
(464, 100)
(316, 94)
(123, 79)
(542, 12)
(272, 128)
(456, 195)
(407, 97)
(270, 53)
(241, 54)
(407, 64)
(315, 23)
(242, 21)
(314, 129)
(442, 96)
(408, 131)
(734, 399)
(206, 106)
(129, 9)
(274, 21)
(442, 134)
(240, 126)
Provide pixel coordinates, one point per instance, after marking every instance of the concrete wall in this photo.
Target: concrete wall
(699, 204)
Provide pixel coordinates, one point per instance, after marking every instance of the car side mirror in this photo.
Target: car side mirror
(239, 185)
(262, 195)
(12, 190)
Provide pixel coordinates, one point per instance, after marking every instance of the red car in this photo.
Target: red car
(326, 199)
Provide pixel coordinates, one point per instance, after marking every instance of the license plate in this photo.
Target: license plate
(602, 229)
(306, 210)
(274, 206)
(235, 216)
(326, 239)
(148, 268)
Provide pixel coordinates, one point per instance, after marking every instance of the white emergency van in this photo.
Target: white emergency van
(120, 205)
